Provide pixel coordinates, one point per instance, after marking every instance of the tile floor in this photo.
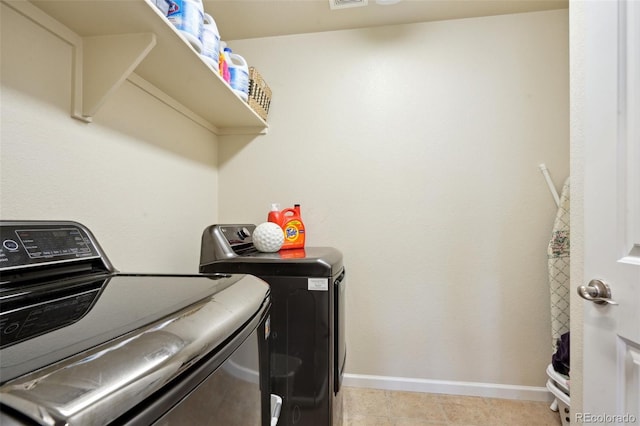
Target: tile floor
(372, 407)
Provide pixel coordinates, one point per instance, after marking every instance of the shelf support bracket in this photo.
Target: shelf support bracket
(102, 64)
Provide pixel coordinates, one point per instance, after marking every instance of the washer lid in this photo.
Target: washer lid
(140, 333)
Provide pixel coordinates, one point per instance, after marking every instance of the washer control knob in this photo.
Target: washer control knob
(10, 245)
(243, 233)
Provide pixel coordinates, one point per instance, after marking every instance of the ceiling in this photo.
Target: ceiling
(242, 19)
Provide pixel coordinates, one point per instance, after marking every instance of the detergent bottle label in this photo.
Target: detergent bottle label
(293, 230)
(210, 44)
(187, 16)
(239, 79)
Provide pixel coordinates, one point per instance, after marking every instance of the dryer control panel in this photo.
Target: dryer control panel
(227, 242)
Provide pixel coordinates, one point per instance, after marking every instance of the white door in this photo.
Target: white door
(611, 351)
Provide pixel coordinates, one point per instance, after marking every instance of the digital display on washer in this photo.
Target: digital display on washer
(47, 243)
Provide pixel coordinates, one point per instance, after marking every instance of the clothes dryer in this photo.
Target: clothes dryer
(308, 350)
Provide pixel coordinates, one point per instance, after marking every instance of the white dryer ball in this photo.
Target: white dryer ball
(268, 237)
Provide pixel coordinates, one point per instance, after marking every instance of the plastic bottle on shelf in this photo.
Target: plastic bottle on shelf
(239, 71)
(210, 42)
(224, 64)
(188, 17)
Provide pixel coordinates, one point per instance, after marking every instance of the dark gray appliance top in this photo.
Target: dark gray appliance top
(230, 249)
(140, 333)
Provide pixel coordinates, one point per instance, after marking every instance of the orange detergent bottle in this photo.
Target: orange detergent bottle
(291, 223)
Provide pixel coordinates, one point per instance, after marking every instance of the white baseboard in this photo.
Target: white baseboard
(488, 390)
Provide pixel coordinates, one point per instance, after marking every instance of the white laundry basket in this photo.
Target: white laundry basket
(563, 400)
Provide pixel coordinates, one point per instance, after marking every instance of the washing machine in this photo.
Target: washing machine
(308, 350)
(84, 344)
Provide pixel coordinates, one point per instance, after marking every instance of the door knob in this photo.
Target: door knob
(597, 291)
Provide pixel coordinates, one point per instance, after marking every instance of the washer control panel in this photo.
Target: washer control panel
(237, 235)
(35, 243)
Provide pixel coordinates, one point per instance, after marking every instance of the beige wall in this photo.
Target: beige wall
(415, 149)
(142, 177)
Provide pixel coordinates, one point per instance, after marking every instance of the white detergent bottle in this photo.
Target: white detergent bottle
(188, 17)
(239, 71)
(210, 42)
